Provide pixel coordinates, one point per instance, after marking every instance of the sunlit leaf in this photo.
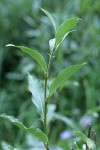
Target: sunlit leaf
(62, 77)
(34, 54)
(52, 18)
(35, 87)
(34, 131)
(64, 29)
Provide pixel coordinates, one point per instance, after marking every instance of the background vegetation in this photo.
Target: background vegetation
(22, 23)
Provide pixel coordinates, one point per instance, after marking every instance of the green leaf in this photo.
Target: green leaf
(34, 54)
(76, 146)
(67, 120)
(62, 77)
(34, 131)
(91, 145)
(64, 29)
(83, 136)
(36, 89)
(52, 18)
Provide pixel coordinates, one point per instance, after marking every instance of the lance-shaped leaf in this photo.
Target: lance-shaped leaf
(34, 131)
(36, 89)
(64, 29)
(52, 18)
(62, 77)
(34, 54)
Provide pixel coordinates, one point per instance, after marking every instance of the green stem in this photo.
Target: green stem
(50, 61)
(45, 106)
(45, 99)
(45, 110)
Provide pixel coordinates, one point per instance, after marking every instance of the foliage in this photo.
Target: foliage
(81, 101)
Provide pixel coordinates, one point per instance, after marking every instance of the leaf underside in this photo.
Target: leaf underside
(35, 87)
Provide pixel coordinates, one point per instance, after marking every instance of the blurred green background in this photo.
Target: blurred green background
(23, 23)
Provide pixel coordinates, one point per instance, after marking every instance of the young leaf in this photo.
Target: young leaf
(52, 18)
(62, 77)
(51, 44)
(64, 29)
(34, 54)
(34, 131)
(36, 89)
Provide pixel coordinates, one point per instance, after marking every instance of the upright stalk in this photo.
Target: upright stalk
(45, 98)
(50, 62)
(45, 105)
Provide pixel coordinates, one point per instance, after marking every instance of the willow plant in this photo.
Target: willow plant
(41, 94)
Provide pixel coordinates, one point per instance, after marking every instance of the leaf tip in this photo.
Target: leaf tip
(10, 45)
(84, 63)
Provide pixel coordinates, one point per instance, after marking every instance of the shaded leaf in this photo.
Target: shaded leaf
(67, 120)
(76, 146)
(91, 145)
(64, 29)
(36, 89)
(34, 54)
(83, 136)
(34, 131)
(62, 77)
(52, 18)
